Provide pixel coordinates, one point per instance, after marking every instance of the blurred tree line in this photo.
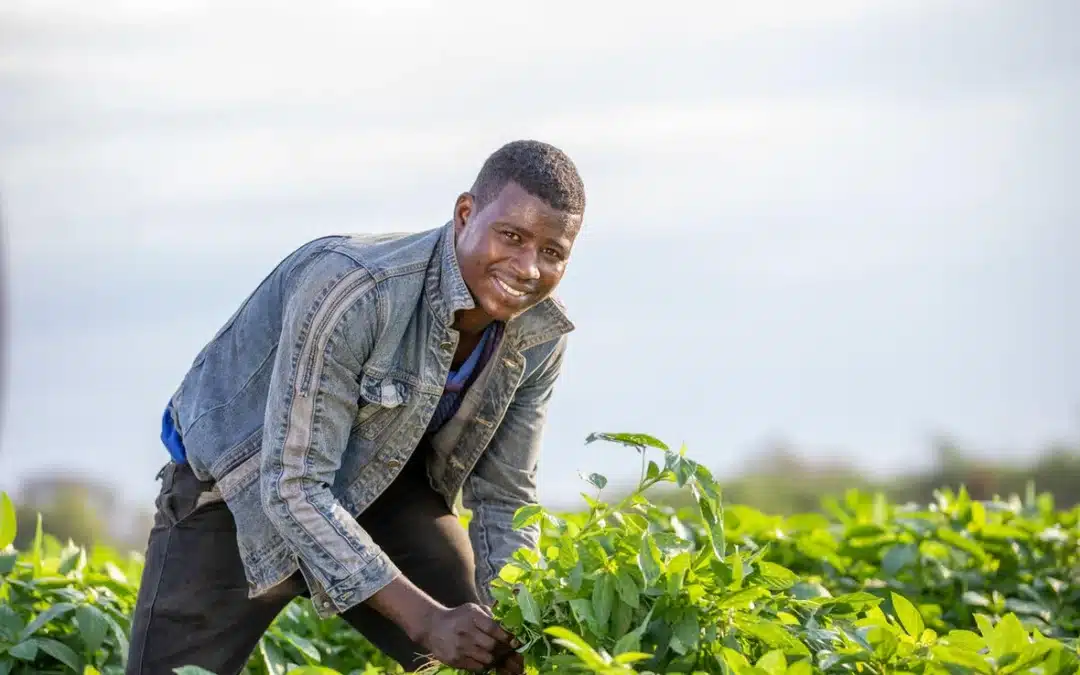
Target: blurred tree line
(778, 481)
(72, 506)
(782, 482)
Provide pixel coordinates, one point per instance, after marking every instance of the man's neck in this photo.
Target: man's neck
(471, 323)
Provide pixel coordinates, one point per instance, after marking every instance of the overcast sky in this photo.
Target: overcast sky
(845, 224)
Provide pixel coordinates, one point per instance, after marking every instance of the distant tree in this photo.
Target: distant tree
(74, 507)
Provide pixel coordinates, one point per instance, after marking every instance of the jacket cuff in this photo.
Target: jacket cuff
(356, 589)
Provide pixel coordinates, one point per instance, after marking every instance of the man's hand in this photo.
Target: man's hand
(467, 637)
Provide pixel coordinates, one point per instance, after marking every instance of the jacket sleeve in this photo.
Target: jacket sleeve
(328, 328)
(504, 479)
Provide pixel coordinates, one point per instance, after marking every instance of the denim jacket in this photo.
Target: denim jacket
(309, 400)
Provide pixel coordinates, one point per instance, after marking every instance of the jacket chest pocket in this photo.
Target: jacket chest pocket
(382, 400)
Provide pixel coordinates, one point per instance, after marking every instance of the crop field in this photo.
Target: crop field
(629, 586)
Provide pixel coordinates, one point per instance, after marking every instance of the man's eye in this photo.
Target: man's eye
(554, 254)
(512, 236)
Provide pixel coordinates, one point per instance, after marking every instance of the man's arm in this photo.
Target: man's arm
(504, 478)
(328, 329)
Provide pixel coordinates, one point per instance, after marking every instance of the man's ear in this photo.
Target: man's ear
(463, 210)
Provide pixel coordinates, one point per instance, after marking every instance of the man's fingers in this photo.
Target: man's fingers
(470, 664)
(484, 641)
(479, 655)
(513, 665)
(491, 627)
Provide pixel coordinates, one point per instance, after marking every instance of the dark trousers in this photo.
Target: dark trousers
(193, 606)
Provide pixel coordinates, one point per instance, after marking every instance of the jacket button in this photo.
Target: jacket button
(393, 463)
(446, 345)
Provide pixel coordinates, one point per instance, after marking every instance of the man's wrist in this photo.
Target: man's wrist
(413, 610)
(424, 623)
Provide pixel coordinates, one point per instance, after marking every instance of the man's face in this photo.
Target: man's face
(514, 252)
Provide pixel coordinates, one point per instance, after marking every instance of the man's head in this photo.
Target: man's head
(516, 226)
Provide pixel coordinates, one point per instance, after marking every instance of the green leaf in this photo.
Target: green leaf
(712, 514)
(273, 657)
(909, 615)
(742, 599)
(963, 543)
(45, 617)
(576, 645)
(61, 652)
(11, 624)
(568, 555)
(628, 643)
(776, 577)
(898, 557)
(682, 467)
(653, 471)
(774, 635)
(9, 526)
(530, 610)
(965, 639)
(582, 609)
(883, 642)
(631, 642)
(603, 597)
(92, 626)
(596, 480)
(684, 638)
(627, 588)
(961, 657)
(631, 657)
(1008, 637)
(511, 572)
(975, 599)
(802, 667)
(978, 514)
(527, 515)
(72, 559)
(304, 646)
(633, 440)
(25, 651)
(851, 603)
(649, 560)
(773, 662)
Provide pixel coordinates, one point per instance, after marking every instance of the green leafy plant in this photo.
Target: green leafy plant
(716, 589)
(62, 609)
(631, 586)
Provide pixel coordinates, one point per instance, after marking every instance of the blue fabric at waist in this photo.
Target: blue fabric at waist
(170, 436)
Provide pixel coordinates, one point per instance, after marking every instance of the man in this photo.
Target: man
(320, 439)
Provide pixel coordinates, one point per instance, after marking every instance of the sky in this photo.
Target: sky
(843, 225)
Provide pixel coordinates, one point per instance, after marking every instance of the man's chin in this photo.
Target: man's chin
(502, 311)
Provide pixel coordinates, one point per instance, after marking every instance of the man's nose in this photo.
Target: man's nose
(525, 266)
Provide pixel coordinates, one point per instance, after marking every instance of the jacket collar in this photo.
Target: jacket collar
(447, 294)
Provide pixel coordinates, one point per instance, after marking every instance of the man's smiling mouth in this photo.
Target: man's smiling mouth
(510, 290)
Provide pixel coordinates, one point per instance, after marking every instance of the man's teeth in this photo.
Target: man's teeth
(516, 294)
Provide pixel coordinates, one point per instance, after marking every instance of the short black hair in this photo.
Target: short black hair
(539, 168)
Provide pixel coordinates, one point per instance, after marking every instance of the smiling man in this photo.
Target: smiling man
(319, 441)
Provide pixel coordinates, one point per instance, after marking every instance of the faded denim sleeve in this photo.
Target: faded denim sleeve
(504, 478)
(328, 329)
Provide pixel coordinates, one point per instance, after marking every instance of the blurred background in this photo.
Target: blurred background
(828, 244)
